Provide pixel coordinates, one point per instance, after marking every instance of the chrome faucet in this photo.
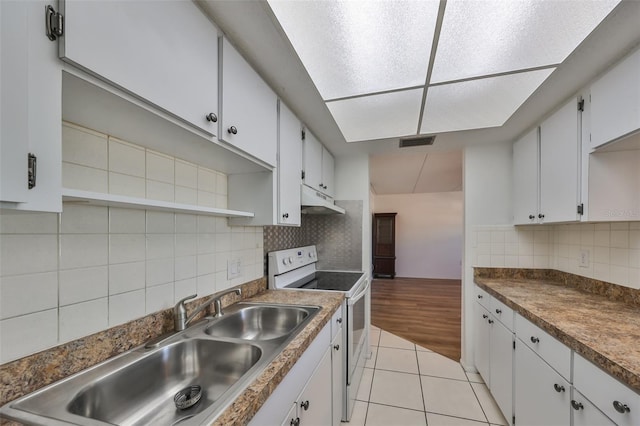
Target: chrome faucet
(180, 318)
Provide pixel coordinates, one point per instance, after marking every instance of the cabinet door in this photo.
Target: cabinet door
(541, 394)
(314, 404)
(328, 170)
(337, 378)
(249, 107)
(584, 413)
(482, 341)
(501, 368)
(31, 110)
(525, 179)
(289, 167)
(615, 102)
(313, 161)
(559, 158)
(165, 52)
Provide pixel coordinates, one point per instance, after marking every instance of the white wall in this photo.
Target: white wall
(428, 233)
(487, 201)
(352, 183)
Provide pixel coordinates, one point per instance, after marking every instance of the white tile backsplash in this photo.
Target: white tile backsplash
(63, 276)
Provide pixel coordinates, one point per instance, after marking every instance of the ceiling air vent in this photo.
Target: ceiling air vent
(419, 141)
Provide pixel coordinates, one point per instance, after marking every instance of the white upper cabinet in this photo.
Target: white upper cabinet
(248, 107)
(525, 179)
(615, 102)
(559, 160)
(319, 166)
(31, 82)
(546, 164)
(163, 52)
(289, 166)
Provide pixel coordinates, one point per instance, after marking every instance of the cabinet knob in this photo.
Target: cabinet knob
(531, 217)
(336, 347)
(479, 296)
(620, 407)
(490, 321)
(485, 316)
(558, 388)
(295, 422)
(541, 216)
(232, 130)
(339, 320)
(498, 311)
(534, 339)
(286, 215)
(212, 117)
(577, 405)
(305, 405)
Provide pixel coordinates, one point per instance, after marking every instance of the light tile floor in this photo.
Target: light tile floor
(407, 385)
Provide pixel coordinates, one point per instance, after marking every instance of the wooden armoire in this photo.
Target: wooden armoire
(384, 245)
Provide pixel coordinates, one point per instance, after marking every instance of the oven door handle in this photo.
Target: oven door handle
(360, 294)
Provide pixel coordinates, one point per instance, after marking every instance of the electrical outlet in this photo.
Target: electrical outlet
(234, 269)
(583, 262)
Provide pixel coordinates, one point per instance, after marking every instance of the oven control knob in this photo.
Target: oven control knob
(284, 261)
(290, 260)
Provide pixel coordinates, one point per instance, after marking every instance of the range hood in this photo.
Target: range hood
(314, 202)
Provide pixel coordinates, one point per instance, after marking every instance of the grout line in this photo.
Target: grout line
(479, 403)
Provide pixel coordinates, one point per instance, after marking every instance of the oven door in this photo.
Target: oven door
(357, 336)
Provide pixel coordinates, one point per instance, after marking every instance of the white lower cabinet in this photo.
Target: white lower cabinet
(307, 394)
(542, 396)
(482, 341)
(584, 413)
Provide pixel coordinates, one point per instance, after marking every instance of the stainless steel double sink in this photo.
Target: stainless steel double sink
(220, 356)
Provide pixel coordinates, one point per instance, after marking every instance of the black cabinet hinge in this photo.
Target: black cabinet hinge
(302, 174)
(32, 163)
(514, 345)
(54, 23)
(304, 134)
(580, 209)
(513, 420)
(581, 105)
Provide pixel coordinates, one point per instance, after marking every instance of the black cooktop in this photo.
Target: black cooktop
(330, 280)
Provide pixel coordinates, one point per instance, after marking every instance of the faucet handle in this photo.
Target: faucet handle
(180, 313)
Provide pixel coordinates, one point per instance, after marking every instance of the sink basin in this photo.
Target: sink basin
(260, 322)
(207, 365)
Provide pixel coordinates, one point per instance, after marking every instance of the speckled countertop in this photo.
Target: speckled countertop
(239, 412)
(604, 331)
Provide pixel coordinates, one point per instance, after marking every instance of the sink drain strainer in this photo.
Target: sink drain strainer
(188, 397)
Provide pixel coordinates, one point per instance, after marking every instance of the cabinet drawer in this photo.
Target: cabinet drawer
(501, 312)
(604, 391)
(584, 413)
(555, 353)
(482, 297)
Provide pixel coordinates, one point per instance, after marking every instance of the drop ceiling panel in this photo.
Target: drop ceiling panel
(395, 173)
(378, 116)
(352, 47)
(442, 172)
(481, 103)
(488, 37)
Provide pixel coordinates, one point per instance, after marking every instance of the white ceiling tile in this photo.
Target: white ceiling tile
(475, 104)
(488, 37)
(378, 116)
(355, 47)
(442, 172)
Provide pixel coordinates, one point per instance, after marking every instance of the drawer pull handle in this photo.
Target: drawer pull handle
(295, 422)
(534, 340)
(305, 405)
(232, 130)
(620, 407)
(498, 311)
(558, 388)
(211, 117)
(339, 320)
(336, 347)
(479, 296)
(485, 316)
(577, 405)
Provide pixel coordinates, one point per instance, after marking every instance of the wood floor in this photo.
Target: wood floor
(424, 311)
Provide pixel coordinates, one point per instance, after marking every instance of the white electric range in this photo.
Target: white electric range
(295, 269)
